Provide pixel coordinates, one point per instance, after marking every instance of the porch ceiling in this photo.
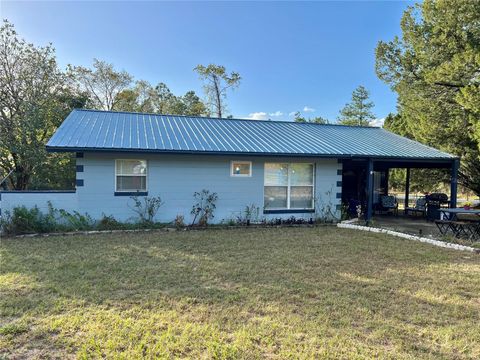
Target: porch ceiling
(385, 164)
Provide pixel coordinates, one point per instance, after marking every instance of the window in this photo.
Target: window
(131, 175)
(241, 168)
(288, 186)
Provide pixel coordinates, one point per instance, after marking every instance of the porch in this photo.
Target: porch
(412, 225)
(365, 181)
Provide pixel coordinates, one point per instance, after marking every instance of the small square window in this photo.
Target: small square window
(241, 168)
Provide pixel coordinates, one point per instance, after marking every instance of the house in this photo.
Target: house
(283, 168)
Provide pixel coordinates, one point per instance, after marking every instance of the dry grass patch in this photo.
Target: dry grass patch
(279, 293)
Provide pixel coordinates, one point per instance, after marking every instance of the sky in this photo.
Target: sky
(292, 56)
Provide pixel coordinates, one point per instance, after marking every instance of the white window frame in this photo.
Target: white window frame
(289, 186)
(232, 173)
(130, 191)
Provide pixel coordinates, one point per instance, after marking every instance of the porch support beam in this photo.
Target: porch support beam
(369, 212)
(453, 183)
(407, 187)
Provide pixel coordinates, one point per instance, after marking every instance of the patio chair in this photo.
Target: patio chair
(388, 203)
(420, 207)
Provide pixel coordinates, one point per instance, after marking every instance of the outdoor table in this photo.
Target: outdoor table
(450, 221)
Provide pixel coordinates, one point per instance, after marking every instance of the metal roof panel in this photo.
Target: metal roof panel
(96, 130)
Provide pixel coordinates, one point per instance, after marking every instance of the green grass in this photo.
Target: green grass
(249, 293)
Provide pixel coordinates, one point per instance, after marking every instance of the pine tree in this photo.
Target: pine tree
(434, 69)
(358, 111)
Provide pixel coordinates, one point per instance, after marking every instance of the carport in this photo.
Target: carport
(367, 178)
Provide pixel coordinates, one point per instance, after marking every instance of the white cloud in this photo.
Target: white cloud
(276, 113)
(377, 122)
(308, 109)
(292, 113)
(261, 115)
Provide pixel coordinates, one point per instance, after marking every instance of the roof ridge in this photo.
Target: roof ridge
(230, 119)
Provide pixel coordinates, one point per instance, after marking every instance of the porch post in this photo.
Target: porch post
(453, 183)
(369, 212)
(407, 188)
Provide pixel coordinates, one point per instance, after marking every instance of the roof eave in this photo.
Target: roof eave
(53, 149)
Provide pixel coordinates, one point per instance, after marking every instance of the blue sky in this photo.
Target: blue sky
(292, 56)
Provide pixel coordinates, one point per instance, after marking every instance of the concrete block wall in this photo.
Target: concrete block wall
(175, 178)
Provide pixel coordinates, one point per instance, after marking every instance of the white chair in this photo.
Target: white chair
(420, 207)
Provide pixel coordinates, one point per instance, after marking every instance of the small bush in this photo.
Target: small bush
(76, 221)
(251, 214)
(179, 222)
(231, 222)
(146, 209)
(109, 223)
(22, 220)
(325, 208)
(204, 207)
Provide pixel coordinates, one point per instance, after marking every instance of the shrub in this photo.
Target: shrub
(250, 214)
(344, 212)
(75, 221)
(231, 222)
(204, 207)
(23, 220)
(325, 210)
(146, 209)
(109, 223)
(179, 222)
(27, 220)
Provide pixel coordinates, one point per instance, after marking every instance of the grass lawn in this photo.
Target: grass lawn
(275, 293)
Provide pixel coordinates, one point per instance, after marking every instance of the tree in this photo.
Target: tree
(421, 180)
(165, 98)
(188, 104)
(103, 83)
(193, 104)
(143, 97)
(434, 69)
(358, 111)
(126, 100)
(397, 124)
(298, 117)
(217, 82)
(34, 99)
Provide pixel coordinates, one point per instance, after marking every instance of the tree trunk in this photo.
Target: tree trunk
(22, 180)
(20, 177)
(218, 98)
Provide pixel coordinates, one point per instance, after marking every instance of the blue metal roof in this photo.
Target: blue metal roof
(92, 130)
